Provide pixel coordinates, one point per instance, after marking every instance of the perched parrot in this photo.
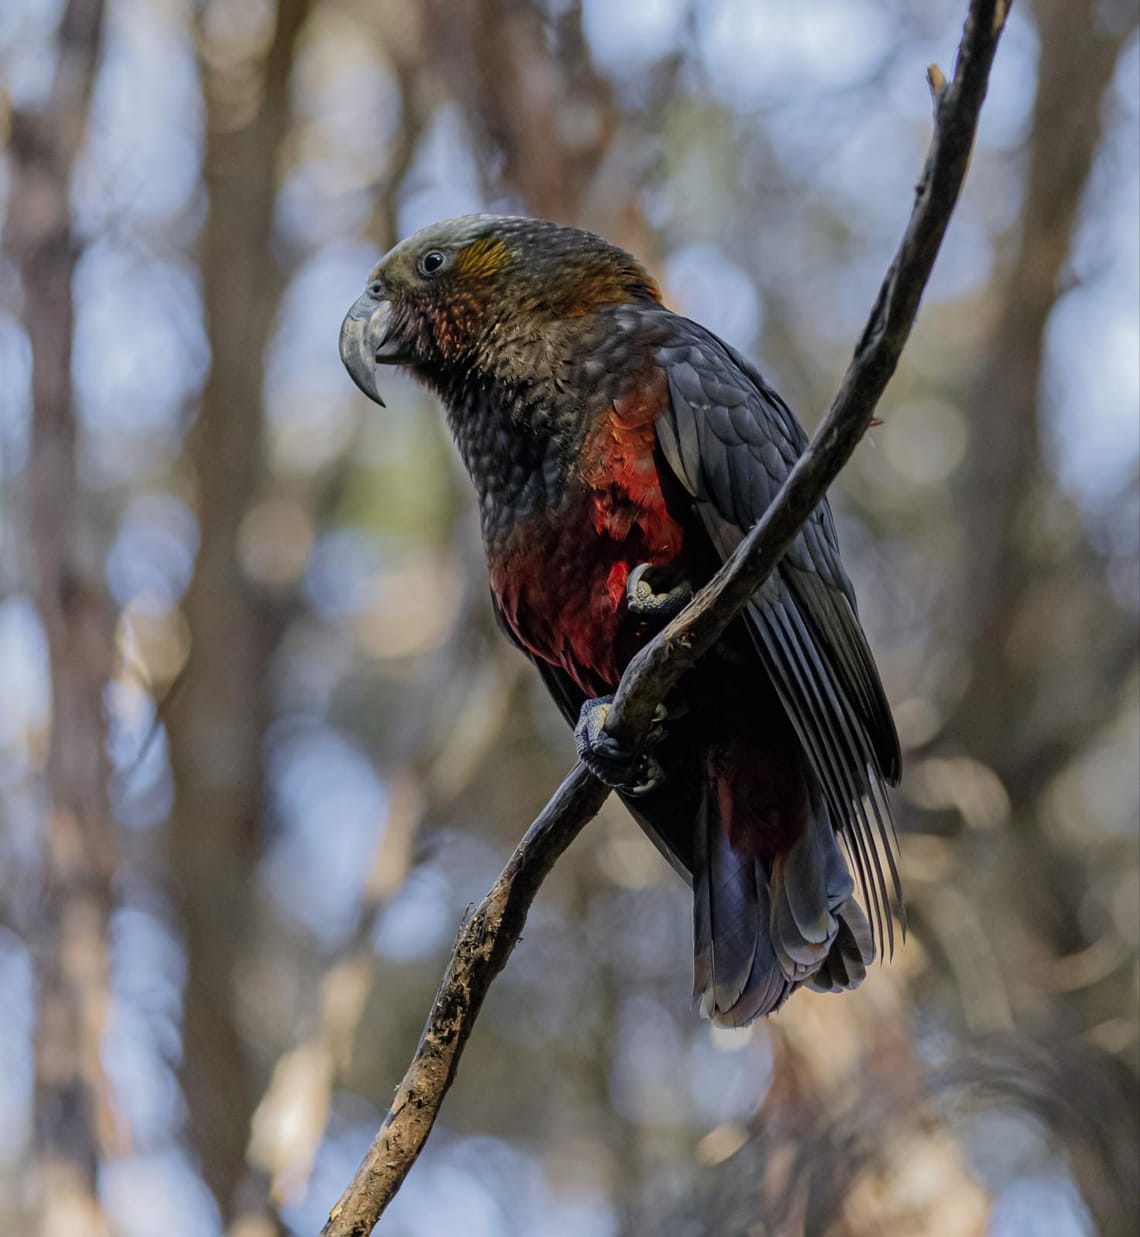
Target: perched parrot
(620, 452)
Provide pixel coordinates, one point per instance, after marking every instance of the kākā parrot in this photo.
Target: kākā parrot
(620, 452)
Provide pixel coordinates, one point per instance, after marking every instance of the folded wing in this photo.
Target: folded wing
(731, 442)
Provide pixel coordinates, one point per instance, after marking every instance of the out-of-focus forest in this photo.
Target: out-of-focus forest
(261, 746)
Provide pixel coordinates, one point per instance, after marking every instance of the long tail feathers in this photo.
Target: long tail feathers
(764, 927)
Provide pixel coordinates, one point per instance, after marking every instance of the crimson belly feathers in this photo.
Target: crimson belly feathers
(560, 579)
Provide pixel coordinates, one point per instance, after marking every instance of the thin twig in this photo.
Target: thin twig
(485, 941)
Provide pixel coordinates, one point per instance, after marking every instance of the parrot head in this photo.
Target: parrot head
(448, 297)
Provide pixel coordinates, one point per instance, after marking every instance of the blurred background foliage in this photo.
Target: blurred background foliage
(260, 745)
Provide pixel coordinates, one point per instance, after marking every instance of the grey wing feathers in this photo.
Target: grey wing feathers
(731, 441)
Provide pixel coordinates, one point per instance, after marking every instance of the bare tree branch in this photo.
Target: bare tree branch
(485, 941)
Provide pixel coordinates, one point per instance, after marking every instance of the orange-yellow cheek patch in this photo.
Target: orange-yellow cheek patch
(482, 258)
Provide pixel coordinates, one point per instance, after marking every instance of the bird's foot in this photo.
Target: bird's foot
(647, 592)
(633, 773)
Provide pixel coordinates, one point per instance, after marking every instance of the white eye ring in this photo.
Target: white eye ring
(432, 262)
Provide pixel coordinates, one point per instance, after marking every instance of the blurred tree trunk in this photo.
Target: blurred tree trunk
(1006, 491)
(1052, 648)
(73, 1112)
(542, 112)
(220, 709)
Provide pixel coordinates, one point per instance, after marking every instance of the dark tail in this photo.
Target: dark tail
(773, 904)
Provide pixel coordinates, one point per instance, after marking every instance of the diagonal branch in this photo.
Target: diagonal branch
(486, 939)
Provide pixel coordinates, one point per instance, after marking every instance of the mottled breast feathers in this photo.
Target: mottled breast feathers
(562, 596)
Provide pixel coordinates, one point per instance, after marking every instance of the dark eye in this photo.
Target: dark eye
(432, 262)
(376, 289)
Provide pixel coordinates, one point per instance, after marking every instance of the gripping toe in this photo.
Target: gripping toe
(633, 773)
(650, 596)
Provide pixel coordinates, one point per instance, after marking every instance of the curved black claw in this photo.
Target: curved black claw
(607, 760)
(648, 594)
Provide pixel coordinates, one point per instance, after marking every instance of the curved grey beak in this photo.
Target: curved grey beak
(365, 344)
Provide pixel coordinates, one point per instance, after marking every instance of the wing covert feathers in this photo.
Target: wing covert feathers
(731, 442)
